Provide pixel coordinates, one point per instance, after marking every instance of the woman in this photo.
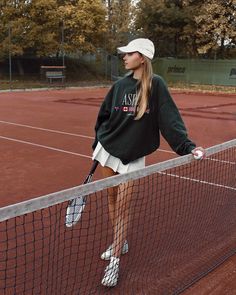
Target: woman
(135, 109)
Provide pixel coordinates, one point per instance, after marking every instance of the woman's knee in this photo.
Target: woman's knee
(111, 191)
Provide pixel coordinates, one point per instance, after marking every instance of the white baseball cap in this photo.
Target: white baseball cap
(142, 45)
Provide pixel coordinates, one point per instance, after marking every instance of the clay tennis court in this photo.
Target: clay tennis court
(46, 139)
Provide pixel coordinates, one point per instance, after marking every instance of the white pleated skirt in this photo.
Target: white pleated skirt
(106, 159)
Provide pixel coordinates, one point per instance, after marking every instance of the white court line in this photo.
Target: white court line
(90, 137)
(165, 151)
(199, 181)
(221, 161)
(65, 133)
(45, 147)
(48, 130)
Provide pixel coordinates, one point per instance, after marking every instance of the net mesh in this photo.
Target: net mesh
(181, 226)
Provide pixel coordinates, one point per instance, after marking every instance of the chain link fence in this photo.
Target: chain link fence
(29, 72)
(104, 68)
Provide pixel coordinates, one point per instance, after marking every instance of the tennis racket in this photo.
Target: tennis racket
(76, 206)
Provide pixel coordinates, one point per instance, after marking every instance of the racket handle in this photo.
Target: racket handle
(91, 172)
(94, 167)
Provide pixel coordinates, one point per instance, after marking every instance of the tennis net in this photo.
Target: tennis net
(182, 225)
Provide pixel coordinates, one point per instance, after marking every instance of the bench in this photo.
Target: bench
(50, 75)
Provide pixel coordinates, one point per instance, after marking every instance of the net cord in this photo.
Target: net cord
(48, 200)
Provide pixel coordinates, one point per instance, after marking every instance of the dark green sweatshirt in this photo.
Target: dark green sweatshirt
(129, 139)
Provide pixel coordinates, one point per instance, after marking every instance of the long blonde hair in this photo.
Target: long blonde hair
(144, 89)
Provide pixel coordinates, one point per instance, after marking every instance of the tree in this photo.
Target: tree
(119, 22)
(216, 28)
(33, 27)
(84, 24)
(189, 27)
(163, 21)
(36, 26)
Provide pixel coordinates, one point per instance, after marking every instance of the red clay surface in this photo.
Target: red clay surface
(46, 139)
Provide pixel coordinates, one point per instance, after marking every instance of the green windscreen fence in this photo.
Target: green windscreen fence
(197, 71)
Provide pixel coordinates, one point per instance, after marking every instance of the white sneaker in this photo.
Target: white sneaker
(109, 252)
(111, 273)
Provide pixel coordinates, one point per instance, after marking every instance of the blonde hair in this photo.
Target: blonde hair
(144, 89)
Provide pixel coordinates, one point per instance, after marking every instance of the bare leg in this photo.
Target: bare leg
(112, 194)
(122, 210)
(119, 205)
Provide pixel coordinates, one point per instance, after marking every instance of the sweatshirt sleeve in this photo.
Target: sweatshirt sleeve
(171, 124)
(104, 113)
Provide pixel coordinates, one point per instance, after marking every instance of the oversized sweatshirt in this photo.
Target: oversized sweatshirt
(129, 139)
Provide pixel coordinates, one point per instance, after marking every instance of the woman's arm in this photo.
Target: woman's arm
(171, 124)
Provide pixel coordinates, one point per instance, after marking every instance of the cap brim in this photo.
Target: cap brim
(125, 49)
